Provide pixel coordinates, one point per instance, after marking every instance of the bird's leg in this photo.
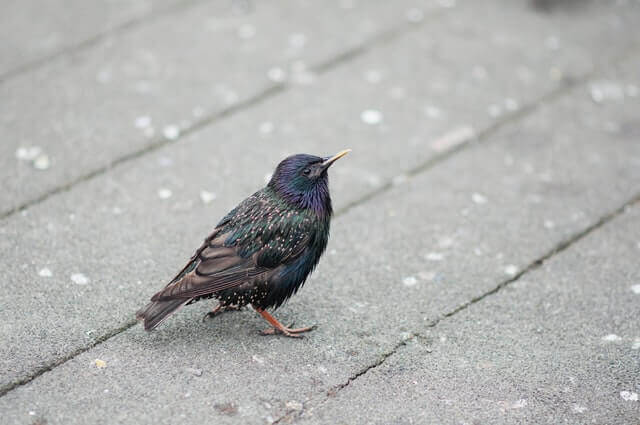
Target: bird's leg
(279, 327)
(213, 313)
(220, 309)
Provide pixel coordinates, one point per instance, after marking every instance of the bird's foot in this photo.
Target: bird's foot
(279, 328)
(219, 310)
(287, 331)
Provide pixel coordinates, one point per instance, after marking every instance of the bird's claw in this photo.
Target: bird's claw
(291, 333)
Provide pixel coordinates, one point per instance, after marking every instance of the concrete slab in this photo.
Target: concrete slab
(107, 225)
(83, 111)
(560, 345)
(136, 89)
(442, 238)
(32, 31)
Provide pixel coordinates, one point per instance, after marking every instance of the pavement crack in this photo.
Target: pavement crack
(557, 249)
(62, 360)
(291, 416)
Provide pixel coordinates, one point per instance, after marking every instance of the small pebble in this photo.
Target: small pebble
(195, 372)
(207, 197)
(629, 395)
(611, 338)
(171, 132)
(164, 193)
(519, 404)
(41, 162)
(276, 74)
(28, 154)
(371, 116)
(511, 270)
(45, 272)
(143, 121)
(636, 289)
(409, 281)
(578, 409)
(294, 405)
(79, 279)
(434, 256)
(100, 364)
(636, 344)
(478, 198)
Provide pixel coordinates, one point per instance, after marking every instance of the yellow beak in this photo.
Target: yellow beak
(330, 160)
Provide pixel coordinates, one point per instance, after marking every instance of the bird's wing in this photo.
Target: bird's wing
(252, 243)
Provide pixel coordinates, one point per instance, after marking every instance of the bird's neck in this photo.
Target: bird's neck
(316, 199)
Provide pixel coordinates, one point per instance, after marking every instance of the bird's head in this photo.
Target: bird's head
(302, 180)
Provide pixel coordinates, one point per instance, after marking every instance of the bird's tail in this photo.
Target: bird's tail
(157, 311)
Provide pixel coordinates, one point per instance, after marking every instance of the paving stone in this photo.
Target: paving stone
(558, 165)
(148, 84)
(81, 262)
(559, 345)
(31, 30)
(149, 221)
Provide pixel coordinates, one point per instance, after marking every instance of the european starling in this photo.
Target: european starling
(262, 251)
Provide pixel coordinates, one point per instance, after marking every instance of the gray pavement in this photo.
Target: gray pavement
(486, 140)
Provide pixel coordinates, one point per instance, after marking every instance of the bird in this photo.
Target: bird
(261, 252)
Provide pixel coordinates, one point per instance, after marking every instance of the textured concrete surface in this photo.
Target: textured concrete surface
(33, 31)
(485, 140)
(558, 345)
(146, 86)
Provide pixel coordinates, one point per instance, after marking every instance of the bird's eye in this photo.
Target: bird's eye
(306, 171)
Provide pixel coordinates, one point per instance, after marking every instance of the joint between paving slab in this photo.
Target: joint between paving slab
(262, 96)
(60, 361)
(417, 336)
(560, 247)
(480, 137)
(266, 94)
(333, 391)
(96, 39)
(275, 89)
